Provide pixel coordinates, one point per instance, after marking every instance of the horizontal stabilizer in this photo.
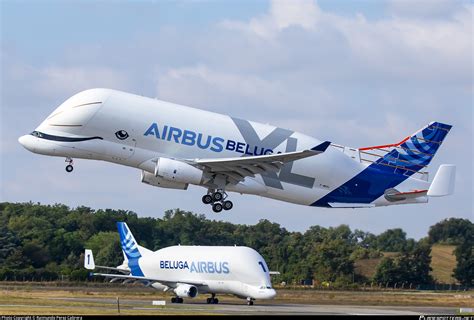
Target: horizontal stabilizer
(395, 195)
(350, 205)
(443, 182)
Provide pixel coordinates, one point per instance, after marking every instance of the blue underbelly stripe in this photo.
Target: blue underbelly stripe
(365, 187)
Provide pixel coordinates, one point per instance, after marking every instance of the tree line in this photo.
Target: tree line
(48, 241)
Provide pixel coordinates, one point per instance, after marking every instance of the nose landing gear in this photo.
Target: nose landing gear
(69, 167)
(217, 200)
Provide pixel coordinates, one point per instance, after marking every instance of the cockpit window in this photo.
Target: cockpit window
(263, 267)
(37, 134)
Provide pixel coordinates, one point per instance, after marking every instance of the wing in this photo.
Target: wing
(236, 169)
(146, 280)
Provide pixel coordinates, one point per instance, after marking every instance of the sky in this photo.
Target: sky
(358, 73)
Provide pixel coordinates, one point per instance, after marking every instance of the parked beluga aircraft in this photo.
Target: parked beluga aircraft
(174, 146)
(187, 271)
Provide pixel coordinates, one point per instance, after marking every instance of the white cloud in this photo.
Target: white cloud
(398, 46)
(425, 9)
(64, 80)
(283, 14)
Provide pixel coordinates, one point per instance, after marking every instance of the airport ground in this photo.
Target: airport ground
(43, 298)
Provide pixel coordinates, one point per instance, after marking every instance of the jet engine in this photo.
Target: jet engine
(177, 171)
(149, 178)
(186, 291)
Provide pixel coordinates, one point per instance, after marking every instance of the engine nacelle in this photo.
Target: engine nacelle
(177, 171)
(149, 178)
(186, 291)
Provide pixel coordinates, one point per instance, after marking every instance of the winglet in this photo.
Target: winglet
(322, 147)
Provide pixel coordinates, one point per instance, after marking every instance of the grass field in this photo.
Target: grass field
(443, 262)
(24, 299)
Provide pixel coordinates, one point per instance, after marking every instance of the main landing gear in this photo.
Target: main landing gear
(69, 167)
(249, 301)
(217, 199)
(212, 300)
(177, 300)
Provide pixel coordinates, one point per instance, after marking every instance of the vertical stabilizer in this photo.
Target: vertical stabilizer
(130, 248)
(414, 152)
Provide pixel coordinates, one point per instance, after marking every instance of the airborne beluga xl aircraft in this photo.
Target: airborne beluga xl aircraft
(175, 146)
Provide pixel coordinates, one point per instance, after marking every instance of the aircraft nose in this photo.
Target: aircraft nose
(28, 142)
(271, 293)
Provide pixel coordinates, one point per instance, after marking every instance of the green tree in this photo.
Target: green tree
(38, 255)
(106, 248)
(8, 243)
(392, 240)
(452, 231)
(386, 271)
(420, 263)
(331, 260)
(464, 271)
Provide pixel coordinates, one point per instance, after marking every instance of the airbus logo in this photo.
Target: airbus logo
(216, 144)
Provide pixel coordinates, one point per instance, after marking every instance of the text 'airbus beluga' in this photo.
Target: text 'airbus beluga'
(175, 146)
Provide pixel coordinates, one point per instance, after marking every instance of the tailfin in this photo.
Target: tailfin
(414, 152)
(131, 249)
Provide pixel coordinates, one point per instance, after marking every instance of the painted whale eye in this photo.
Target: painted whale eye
(121, 134)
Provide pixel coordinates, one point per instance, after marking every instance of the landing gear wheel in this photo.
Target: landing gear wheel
(206, 199)
(217, 196)
(227, 205)
(180, 300)
(212, 301)
(250, 303)
(69, 168)
(173, 300)
(217, 207)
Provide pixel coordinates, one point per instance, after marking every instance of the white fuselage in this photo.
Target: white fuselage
(240, 271)
(159, 129)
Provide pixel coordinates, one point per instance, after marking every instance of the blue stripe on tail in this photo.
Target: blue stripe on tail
(391, 170)
(416, 152)
(130, 247)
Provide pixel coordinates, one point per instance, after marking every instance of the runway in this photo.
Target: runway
(129, 306)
